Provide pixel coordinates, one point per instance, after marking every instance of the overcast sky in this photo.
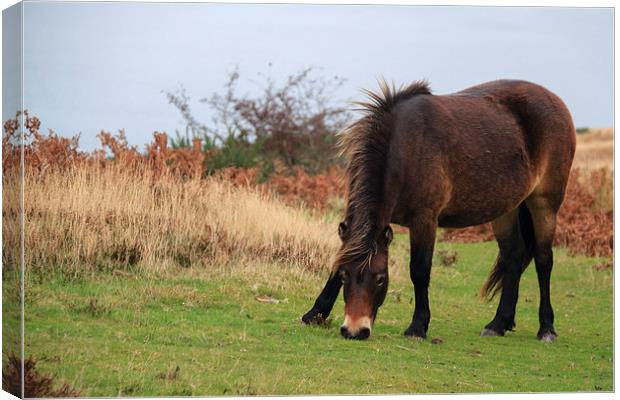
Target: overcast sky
(93, 66)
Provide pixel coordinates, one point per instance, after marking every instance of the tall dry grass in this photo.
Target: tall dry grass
(91, 218)
(595, 150)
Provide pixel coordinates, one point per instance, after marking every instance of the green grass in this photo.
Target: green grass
(199, 333)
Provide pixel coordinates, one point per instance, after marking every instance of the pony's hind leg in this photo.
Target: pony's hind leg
(544, 219)
(513, 234)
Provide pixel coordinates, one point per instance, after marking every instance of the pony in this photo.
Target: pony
(498, 152)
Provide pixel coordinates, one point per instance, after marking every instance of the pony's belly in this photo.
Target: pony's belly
(486, 196)
(478, 212)
(464, 220)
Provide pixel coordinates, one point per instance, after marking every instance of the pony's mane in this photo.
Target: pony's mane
(365, 144)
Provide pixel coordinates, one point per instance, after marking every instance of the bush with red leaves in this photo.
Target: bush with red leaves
(49, 152)
(295, 187)
(582, 226)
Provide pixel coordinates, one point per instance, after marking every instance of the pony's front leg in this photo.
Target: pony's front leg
(325, 302)
(422, 232)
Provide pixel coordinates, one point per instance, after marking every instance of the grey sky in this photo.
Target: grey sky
(92, 66)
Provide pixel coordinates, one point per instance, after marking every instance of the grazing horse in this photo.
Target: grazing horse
(498, 152)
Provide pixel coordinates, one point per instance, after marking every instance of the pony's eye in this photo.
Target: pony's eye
(343, 276)
(380, 279)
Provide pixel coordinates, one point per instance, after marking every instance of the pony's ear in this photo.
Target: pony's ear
(386, 237)
(342, 230)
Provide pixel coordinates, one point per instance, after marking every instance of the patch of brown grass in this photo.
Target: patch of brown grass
(36, 385)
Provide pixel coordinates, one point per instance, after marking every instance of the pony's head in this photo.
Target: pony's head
(363, 269)
(363, 258)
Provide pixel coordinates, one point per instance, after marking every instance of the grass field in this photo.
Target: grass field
(193, 332)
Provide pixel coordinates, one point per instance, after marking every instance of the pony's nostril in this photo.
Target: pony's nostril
(345, 332)
(363, 334)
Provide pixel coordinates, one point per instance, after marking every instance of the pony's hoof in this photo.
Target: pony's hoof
(313, 317)
(412, 334)
(490, 332)
(547, 337)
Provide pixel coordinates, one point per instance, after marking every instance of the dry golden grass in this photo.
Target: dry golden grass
(594, 158)
(91, 218)
(595, 150)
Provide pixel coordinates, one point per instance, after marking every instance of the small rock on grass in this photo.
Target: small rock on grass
(266, 299)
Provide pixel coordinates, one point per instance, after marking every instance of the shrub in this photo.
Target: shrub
(294, 122)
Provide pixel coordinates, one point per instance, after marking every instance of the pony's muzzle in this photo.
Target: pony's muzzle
(359, 329)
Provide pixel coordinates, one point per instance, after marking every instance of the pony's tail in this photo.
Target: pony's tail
(525, 227)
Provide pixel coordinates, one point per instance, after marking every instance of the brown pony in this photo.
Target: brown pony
(498, 152)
